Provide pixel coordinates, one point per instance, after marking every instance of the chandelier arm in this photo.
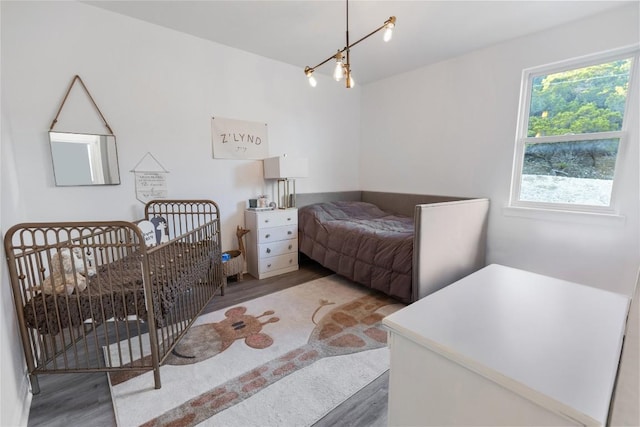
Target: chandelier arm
(365, 37)
(349, 46)
(325, 61)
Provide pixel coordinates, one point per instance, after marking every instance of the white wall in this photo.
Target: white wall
(14, 386)
(158, 89)
(450, 129)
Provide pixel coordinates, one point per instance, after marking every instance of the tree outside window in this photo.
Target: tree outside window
(570, 132)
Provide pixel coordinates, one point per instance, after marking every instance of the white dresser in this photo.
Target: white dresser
(272, 243)
(505, 347)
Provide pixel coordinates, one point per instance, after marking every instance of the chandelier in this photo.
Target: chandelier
(342, 57)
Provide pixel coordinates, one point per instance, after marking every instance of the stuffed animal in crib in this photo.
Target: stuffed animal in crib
(162, 233)
(70, 269)
(60, 284)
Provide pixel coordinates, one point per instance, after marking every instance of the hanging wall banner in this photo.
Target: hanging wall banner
(151, 186)
(151, 179)
(238, 139)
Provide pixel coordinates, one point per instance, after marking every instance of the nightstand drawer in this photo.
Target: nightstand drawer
(277, 218)
(277, 233)
(277, 248)
(278, 262)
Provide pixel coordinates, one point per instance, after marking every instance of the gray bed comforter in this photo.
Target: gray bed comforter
(360, 242)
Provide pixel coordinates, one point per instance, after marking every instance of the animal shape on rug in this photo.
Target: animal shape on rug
(204, 341)
(70, 270)
(351, 327)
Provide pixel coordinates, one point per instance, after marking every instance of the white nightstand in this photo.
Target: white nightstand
(272, 247)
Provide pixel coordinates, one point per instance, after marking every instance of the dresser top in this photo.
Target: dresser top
(552, 341)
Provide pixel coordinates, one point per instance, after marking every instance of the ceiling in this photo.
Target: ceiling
(307, 32)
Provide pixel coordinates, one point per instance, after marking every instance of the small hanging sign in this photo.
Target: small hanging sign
(151, 183)
(150, 186)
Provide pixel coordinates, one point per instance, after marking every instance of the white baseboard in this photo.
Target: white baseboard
(15, 405)
(25, 392)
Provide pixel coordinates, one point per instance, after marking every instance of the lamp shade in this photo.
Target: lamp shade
(285, 167)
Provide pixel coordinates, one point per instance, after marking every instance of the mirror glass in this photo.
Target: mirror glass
(84, 159)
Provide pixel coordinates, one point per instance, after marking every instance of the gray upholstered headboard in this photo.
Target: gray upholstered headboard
(403, 204)
(399, 203)
(304, 199)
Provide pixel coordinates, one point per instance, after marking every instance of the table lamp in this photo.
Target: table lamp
(285, 169)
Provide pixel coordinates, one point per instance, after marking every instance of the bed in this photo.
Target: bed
(404, 245)
(140, 297)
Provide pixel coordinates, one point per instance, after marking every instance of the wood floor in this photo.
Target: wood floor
(84, 399)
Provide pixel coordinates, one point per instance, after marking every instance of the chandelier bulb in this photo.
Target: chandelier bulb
(350, 82)
(389, 25)
(338, 72)
(388, 33)
(312, 80)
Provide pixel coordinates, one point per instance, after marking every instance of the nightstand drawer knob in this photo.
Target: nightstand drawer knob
(266, 236)
(268, 265)
(268, 250)
(289, 232)
(290, 247)
(288, 219)
(266, 220)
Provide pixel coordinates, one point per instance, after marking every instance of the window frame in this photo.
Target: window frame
(522, 128)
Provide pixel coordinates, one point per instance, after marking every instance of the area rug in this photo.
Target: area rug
(285, 359)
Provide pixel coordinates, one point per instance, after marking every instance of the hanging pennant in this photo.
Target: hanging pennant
(150, 179)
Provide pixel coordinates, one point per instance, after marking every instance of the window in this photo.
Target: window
(571, 130)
